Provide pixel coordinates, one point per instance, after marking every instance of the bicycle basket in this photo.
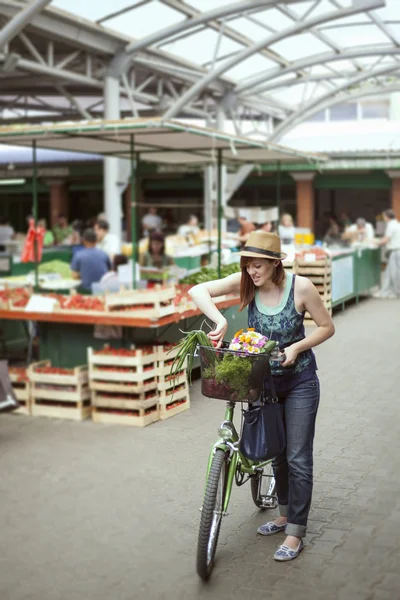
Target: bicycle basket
(232, 376)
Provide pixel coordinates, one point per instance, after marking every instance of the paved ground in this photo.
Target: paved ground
(110, 513)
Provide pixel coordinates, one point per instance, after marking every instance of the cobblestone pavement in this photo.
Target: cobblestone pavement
(111, 513)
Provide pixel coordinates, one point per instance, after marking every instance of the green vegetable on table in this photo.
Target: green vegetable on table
(209, 274)
(56, 266)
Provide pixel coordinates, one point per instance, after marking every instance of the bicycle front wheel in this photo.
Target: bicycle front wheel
(211, 514)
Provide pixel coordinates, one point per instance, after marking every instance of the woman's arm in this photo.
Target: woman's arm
(310, 301)
(202, 295)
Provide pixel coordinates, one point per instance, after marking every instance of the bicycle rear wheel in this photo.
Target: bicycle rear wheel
(263, 488)
(211, 514)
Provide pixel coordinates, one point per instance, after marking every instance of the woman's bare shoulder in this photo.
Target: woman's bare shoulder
(303, 285)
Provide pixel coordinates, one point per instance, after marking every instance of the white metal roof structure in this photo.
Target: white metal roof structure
(265, 64)
(156, 141)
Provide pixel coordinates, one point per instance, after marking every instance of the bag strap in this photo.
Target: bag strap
(274, 398)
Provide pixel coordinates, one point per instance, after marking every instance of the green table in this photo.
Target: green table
(63, 253)
(354, 273)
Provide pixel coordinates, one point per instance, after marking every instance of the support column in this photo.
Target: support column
(58, 200)
(112, 193)
(304, 199)
(395, 194)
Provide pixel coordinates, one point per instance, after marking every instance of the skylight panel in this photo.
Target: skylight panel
(299, 46)
(145, 19)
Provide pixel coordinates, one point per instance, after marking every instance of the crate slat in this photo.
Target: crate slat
(74, 413)
(61, 395)
(100, 401)
(164, 385)
(164, 353)
(165, 398)
(117, 376)
(130, 388)
(167, 413)
(115, 418)
(164, 370)
(140, 359)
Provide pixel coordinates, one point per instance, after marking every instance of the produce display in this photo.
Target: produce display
(17, 297)
(56, 266)
(208, 274)
(20, 374)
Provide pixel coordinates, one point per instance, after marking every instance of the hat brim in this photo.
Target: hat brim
(282, 255)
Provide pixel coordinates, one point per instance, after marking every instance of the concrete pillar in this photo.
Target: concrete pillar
(58, 200)
(395, 195)
(112, 190)
(304, 199)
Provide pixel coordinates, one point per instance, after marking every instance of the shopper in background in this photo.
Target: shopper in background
(48, 239)
(90, 264)
(268, 227)
(286, 229)
(62, 231)
(246, 228)
(156, 257)
(105, 240)
(151, 221)
(190, 229)
(345, 220)
(391, 277)
(332, 234)
(110, 280)
(6, 233)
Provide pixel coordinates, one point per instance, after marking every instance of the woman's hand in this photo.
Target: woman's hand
(217, 334)
(291, 356)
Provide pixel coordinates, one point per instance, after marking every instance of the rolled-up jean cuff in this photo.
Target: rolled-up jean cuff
(296, 530)
(283, 510)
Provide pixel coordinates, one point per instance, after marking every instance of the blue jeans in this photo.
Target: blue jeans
(293, 469)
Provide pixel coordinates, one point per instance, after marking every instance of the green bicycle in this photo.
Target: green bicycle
(233, 378)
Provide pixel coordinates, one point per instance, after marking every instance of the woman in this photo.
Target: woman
(286, 229)
(276, 302)
(110, 280)
(155, 257)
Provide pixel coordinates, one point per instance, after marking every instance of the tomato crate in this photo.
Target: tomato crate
(179, 403)
(109, 357)
(43, 372)
(132, 418)
(75, 411)
(151, 303)
(166, 382)
(176, 392)
(166, 352)
(164, 367)
(128, 387)
(125, 401)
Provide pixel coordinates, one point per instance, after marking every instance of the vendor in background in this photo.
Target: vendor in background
(345, 220)
(90, 264)
(62, 231)
(48, 239)
(360, 232)
(332, 234)
(106, 241)
(246, 228)
(7, 233)
(391, 277)
(155, 257)
(286, 229)
(110, 280)
(151, 221)
(268, 227)
(190, 229)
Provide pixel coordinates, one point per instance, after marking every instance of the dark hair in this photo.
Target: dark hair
(103, 224)
(157, 237)
(389, 213)
(89, 236)
(247, 287)
(119, 259)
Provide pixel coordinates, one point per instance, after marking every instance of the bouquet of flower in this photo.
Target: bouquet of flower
(251, 342)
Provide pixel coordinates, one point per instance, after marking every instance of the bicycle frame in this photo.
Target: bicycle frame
(235, 456)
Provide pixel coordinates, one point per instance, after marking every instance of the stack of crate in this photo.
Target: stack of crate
(22, 389)
(124, 387)
(173, 389)
(58, 392)
(319, 272)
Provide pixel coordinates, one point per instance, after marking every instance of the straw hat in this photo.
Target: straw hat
(261, 244)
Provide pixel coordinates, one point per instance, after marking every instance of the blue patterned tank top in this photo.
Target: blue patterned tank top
(285, 325)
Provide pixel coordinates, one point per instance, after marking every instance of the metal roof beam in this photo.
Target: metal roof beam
(311, 61)
(314, 106)
(121, 62)
(20, 20)
(268, 41)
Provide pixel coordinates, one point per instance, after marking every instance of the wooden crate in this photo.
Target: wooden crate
(75, 411)
(174, 404)
(125, 401)
(139, 368)
(165, 382)
(165, 352)
(124, 388)
(154, 303)
(164, 368)
(62, 396)
(139, 418)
